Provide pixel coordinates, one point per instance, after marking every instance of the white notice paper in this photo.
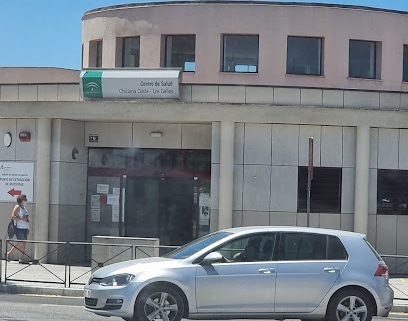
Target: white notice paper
(102, 188)
(95, 201)
(95, 215)
(115, 213)
(112, 199)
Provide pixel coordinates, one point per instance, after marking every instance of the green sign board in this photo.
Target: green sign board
(130, 84)
(92, 84)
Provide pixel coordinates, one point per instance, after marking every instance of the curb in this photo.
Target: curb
(400, 306)
(18, 289)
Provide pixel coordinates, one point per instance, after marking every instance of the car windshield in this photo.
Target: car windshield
(196, 245)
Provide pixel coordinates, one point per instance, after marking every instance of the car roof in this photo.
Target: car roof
(258, 229)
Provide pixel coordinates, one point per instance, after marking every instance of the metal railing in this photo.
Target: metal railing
(70, 263)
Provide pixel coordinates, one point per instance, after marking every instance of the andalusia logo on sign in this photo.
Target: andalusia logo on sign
(92, 84)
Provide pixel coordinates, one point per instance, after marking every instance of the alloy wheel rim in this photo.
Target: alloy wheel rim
(351, 308)
(161, 306)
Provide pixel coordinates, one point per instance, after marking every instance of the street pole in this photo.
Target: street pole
(309, 178)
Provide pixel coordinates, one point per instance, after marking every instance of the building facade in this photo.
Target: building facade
(255, 81)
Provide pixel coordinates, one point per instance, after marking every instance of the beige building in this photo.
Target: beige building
(195, 116)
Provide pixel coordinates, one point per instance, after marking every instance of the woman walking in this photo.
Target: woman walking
(20, 217)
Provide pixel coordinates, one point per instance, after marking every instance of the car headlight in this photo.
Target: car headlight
(117, 280)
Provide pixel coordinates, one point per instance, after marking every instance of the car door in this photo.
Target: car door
(237, 285)
(307, 268)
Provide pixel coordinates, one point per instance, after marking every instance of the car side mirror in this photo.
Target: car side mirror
(212, 257)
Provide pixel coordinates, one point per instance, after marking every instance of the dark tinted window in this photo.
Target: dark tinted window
(240, 53)
(325, 195)
(131, 52)
(405, 66)
(180, 52)
(336, 250)
(308, 246)
(362, 59)
(251, 248)
(392, 192)
(302, 246)
(304, 56)
(99, 53)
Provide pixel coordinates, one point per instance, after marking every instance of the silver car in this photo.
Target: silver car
(249, 272)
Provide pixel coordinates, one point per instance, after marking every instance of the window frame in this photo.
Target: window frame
(393, 199)
(319, 57)
(325, 242)
(95, 52)
(374, 62)
(99, 54)
(405, 63)
(124, 40)
(224, 63)
(167, 52)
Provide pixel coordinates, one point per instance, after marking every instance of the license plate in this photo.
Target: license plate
(87, 293)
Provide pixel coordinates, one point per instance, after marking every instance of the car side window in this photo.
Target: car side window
(302, 246)
(251, 248)
(336, 250)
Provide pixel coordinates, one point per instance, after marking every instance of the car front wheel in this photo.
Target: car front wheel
(350, 305)
(159, 302)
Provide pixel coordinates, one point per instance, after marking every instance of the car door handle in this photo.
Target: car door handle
(331, 269)
(266, 271)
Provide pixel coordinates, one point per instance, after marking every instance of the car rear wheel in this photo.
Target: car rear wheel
(159, 303)
(350, 305)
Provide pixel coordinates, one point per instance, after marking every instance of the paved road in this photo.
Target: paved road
(54, 308)
(45, 308)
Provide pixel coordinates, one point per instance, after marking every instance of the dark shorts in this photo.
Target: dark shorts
(21, 233)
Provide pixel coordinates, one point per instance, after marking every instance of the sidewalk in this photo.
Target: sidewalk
(49, 280)
(44, 279)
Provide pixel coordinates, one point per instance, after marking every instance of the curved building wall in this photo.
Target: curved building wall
(273, 22)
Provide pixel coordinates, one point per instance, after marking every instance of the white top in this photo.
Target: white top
(22, 213)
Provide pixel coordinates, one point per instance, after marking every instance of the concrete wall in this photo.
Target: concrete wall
(18, 152)
(270, 142)
(267, 157)
(39, 92)
(138, 135)
(68, 186)
(273, 22)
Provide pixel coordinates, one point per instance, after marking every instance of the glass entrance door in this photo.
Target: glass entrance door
(160, 207)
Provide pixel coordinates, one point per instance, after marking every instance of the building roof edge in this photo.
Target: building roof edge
(279, 3)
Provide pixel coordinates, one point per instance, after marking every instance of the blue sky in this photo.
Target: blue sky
(47, 33)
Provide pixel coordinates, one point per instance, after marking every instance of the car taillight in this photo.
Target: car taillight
(382, 270)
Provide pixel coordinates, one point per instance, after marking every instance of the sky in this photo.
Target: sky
(47, 33)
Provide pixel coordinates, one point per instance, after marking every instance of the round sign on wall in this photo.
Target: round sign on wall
(7, 139)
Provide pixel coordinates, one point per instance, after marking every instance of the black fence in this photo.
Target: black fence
(72, 263)
(68, 263)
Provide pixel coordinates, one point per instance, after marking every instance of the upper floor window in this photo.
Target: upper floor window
(180, 52)
(405, 64)
(304, 56)
(130, 52)
(392, 196)
(240, 53)
(95, 53)
(325, 193)
(364, 59)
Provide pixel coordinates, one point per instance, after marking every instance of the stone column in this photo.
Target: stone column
(362, 179)
(226, 174)
(42, 186)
